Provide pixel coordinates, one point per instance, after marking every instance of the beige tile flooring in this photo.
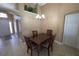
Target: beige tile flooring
(15, 47)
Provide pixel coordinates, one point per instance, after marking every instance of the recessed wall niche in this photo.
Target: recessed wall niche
(31, 7)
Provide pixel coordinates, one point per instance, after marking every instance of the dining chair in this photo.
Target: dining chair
(52, 38)
(49, 32)
(49, 44)
(35, 33)
(30, 45)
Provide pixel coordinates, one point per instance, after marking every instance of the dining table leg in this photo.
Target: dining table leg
(38, 49)
(38, 52)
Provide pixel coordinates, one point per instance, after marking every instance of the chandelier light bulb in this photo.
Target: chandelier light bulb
(37, 16)
(43, 16)
(40, 16)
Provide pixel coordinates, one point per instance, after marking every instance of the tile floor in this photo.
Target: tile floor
(15, 47)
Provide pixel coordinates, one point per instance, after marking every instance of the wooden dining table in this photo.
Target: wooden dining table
(40, 38)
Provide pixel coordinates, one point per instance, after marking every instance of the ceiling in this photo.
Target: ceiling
(33, 4)
(5, 9)
(41, 4)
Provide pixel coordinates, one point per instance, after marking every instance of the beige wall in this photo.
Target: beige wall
(8, 5)
(55, 17)
(28, 22)
(20, 6)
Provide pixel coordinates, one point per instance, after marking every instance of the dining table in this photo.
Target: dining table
(42, 37)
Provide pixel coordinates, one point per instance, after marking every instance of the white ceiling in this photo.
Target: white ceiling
(7, 9)
(33, 4)
(41, 4)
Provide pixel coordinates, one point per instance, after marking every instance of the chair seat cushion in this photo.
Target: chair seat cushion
(46, 44)
(34, 46)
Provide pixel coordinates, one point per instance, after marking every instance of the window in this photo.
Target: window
(3, 15)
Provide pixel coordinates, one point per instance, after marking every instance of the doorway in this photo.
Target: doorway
(9, 24)
(4, 25)
(17, 25)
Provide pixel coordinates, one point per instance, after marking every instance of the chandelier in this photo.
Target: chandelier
(39, 16)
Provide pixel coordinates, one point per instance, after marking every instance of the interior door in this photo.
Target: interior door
(71, 30)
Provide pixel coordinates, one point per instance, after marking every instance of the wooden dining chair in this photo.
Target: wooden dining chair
(35, 33)
(49, 44)
(52, 38)
(30, 45)
(49, 32)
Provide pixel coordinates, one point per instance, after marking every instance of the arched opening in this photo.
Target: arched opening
(5, 25)
(9, 24)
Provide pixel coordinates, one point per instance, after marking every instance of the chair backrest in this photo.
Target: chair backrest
(35, 33)
(28, 42)
(49, 32)
(53, 38)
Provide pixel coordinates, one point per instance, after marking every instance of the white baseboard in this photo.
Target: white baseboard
(60, 43)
